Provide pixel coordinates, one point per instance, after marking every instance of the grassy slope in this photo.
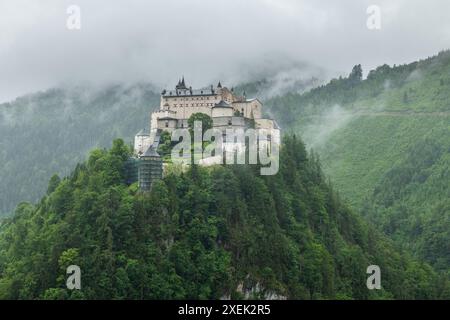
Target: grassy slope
(374, 135)
(374, 124)
(359, 154)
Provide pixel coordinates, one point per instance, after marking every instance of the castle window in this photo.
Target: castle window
(229, 122)
(167, 124)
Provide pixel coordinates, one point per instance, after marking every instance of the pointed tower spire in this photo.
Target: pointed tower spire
(219, 85)
(181, 84)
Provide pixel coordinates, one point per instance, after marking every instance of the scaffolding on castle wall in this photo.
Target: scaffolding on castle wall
(150, 169)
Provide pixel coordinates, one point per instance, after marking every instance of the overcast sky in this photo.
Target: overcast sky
(159, 40)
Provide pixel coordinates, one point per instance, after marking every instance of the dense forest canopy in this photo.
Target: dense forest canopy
(222, 231)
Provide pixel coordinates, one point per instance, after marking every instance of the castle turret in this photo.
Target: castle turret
(142, 142)
(181, 85)
(222, 109)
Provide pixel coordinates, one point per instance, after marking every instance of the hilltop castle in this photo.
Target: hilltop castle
(226, 109)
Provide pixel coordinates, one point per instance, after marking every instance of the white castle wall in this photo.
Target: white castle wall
(222, 112)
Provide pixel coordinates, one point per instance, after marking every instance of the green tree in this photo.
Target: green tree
(356, 74)
(53, 183)
(206, 121)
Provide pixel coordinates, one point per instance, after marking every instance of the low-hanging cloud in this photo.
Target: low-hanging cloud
(322, 127)
(207, 40)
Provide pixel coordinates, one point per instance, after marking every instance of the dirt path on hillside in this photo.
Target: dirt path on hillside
(384, 114)
(400, 113)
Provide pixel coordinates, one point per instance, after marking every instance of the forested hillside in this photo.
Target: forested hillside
(385, 142)
(208, 233)
(49, 132)
(411, 202)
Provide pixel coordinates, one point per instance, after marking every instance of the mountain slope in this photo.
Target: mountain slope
(367, 131)
(417, 187)
(209, 233)
(49, 132)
